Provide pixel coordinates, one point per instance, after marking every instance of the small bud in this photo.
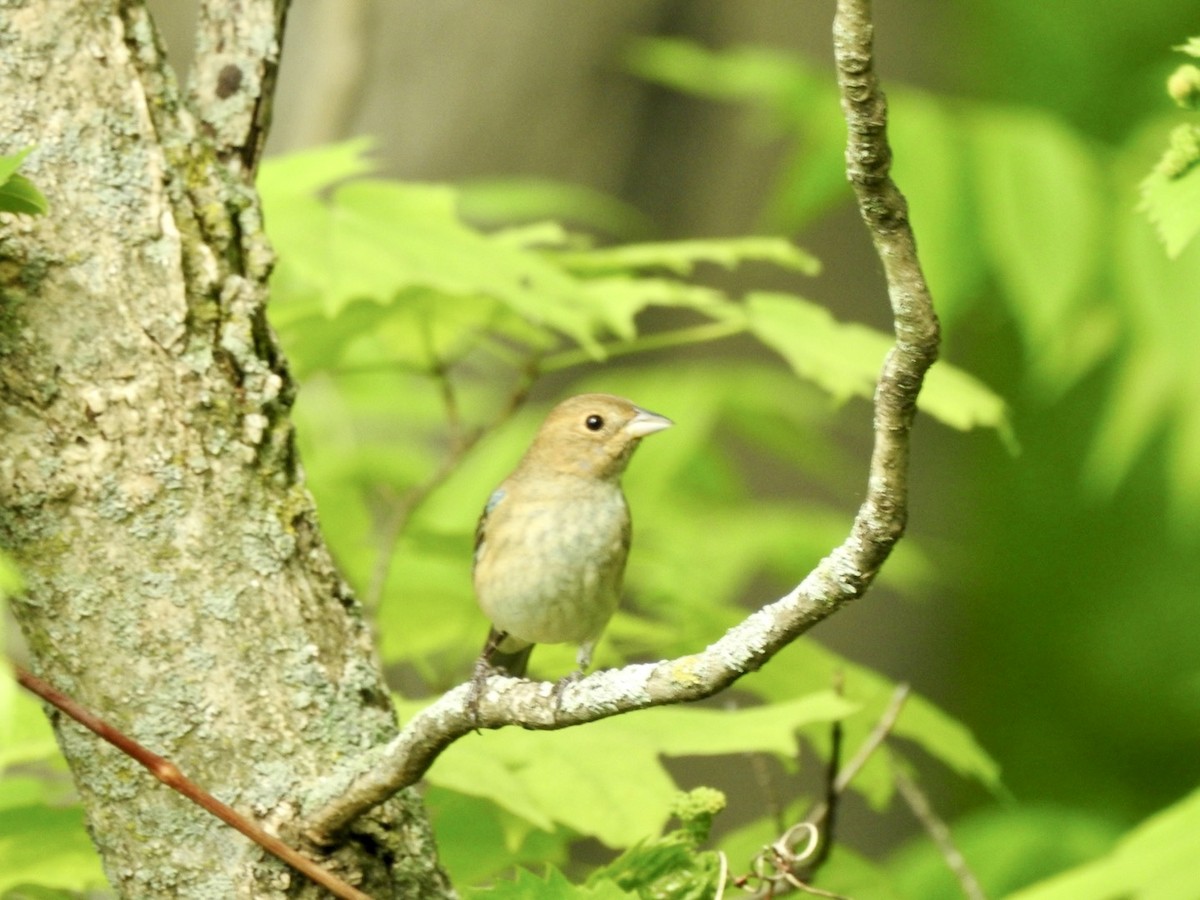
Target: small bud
(1184, 86)
(1183, 151)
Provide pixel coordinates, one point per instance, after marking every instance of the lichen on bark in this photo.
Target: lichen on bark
(178, 584)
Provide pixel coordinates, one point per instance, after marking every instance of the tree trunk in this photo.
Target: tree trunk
(149, 486)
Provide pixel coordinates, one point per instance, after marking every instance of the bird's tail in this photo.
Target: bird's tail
(514, 662)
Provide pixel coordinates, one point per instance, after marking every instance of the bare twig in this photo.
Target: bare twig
(938, 831)
(839, 578)
(170, 775)
(831, 793)
(820, 815)
(878, 734)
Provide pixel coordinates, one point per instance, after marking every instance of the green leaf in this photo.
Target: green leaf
(741, 73)
(1155, 861)
(1041, 206)
(579, 777)
(962, 401)
(1152, 391)
(1173, 205)
(380, 239)
(478, 840)
(682, 257)
(17, 193)
(302, 173)
(845, 359)
(623, 297)
(47, 847)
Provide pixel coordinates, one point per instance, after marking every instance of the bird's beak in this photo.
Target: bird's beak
(645, 422)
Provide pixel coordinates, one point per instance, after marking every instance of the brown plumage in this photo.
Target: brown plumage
(551, 546)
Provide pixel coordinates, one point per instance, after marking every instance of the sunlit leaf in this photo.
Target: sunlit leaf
(1173, 205)
(579, 777)
(682, 257)
(845, 359)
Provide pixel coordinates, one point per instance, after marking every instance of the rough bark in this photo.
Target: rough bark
(149, 486)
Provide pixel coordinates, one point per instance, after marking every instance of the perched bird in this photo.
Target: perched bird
(551, 544)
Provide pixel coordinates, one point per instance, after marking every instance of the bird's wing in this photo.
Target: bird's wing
(481, 526)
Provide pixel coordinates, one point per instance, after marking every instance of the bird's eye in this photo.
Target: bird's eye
(594, 422)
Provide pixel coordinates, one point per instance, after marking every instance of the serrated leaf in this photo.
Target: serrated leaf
(962, 401)
(1155, 861)
(622, 298)
(1173, 205)
(845, 359)
(378, 239)
(682, 257)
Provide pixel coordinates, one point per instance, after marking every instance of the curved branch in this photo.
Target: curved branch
(232, 85)
(842, 576)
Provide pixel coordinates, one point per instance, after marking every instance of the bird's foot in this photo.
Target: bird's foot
(561, 685)
(479, 677)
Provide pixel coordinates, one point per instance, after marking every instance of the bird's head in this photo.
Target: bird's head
(591, 435)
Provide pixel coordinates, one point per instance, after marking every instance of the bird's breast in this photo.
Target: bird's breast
(551, 561)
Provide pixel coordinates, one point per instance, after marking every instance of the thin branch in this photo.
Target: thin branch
(232, 85)
(772, 885)
(878, 735)
(170, 775)
(832, 793)
(938, 831)
(839, 578)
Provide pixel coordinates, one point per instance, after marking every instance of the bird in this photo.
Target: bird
(551, 545)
